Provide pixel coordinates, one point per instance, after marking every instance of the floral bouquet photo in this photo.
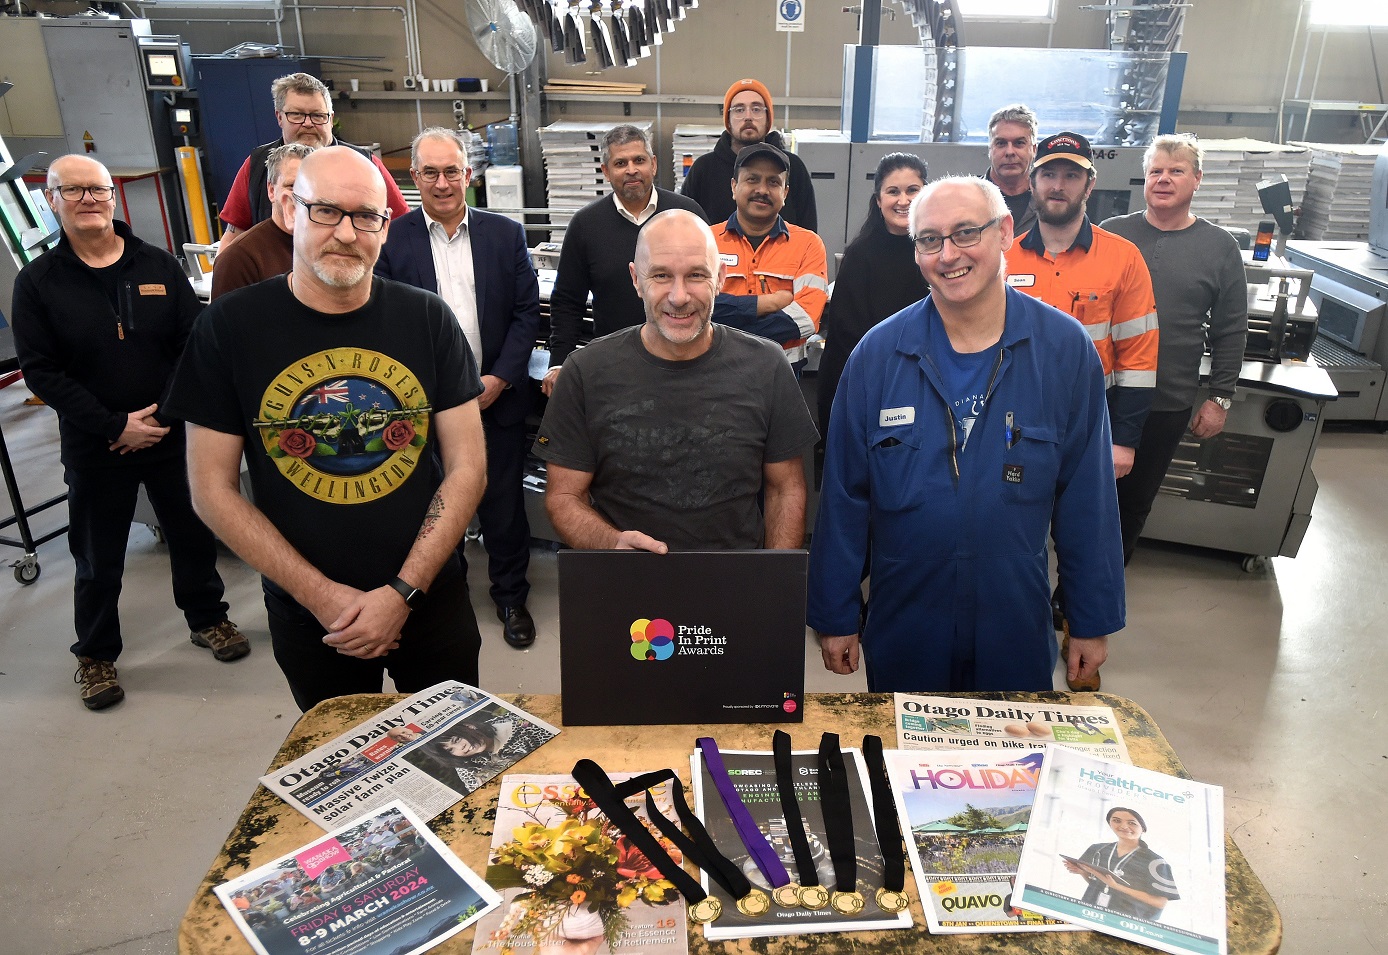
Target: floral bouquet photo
(573, 880)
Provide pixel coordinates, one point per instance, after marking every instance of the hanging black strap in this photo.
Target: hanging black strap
(790, 810)
(884, 816)
(838, 813)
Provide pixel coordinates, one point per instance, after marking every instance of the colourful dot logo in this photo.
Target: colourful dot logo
(652, 639)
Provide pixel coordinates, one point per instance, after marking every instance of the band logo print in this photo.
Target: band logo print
(659, 639)
(346, 425)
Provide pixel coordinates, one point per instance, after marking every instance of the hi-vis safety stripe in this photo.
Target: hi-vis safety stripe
(1131, 379)
(809, 281)
(796, 312)
(1133, 327)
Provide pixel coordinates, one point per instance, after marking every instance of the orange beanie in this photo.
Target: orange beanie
(756, 86)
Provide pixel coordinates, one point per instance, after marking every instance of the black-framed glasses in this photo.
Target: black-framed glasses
(430, 174)
(962, 238)
(756, 109)
(324, 214)
(75, 193)
(299, 119)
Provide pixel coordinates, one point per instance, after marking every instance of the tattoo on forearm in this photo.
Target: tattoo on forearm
(431, 516)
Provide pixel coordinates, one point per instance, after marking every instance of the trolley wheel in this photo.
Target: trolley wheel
(1254, 564)
(27, 571)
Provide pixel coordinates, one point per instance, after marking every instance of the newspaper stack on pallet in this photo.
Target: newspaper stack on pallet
(689, 143)
(1338, 184)
(573, 166)
(1228, 194)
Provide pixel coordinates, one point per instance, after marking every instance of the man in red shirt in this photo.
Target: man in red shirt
(304, 108)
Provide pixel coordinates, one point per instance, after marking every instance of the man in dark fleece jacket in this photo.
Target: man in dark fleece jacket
(748, 117)
(100, 322)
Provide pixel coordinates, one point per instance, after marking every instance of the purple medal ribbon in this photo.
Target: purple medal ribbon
(761, 851)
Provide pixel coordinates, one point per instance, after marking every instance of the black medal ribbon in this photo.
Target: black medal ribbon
(790, 810)
(838, 813)
(891, 897)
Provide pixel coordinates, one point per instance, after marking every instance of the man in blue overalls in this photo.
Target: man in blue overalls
(968, 428)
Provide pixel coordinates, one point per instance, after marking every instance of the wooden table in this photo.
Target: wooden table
(270, 828)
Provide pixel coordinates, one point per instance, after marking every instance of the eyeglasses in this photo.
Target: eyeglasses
(298, 118)
(324, 214)
(962, 238)
(756, 109)
(430, 174)
(75, 193)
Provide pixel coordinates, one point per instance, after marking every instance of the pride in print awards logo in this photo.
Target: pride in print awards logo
(652, 639)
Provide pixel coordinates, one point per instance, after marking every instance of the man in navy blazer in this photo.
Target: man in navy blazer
(480, 264)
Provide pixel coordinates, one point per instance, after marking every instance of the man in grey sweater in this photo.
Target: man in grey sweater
(1197, 277)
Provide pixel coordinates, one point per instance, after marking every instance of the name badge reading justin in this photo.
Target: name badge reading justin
(889, 417)
(1021, 281)
(153, 290)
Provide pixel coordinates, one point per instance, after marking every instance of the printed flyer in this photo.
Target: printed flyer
(1126, 851)
(965, 817)
(383, 885)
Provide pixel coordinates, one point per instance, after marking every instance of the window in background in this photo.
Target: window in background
(1039, 11)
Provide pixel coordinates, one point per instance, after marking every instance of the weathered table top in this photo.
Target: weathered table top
(270, 827)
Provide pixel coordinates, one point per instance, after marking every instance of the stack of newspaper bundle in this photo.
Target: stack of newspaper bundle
(573, 166)
(689, 143)
(1233, 168)
(1336, 205)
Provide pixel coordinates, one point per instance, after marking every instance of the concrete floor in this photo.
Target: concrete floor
(1269, 684)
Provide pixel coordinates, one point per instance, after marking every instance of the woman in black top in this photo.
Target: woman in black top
(878, 276)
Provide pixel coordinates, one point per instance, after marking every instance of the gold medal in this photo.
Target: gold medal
(847, 903)
(705, 910)
(891, 901)
(787, 896)
(754, 904)
(814, 896)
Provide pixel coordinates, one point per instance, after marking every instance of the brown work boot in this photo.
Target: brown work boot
(1088, 684)
(224, 640)
(100, 687)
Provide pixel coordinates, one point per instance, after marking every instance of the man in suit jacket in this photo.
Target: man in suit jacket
(480, 264)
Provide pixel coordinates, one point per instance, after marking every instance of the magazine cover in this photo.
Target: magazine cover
(428, 751)
(941, 722)
(1127, 851)
(571, 882)
(753, 775)
(384, 885)
(965, 817)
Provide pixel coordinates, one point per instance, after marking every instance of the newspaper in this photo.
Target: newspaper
(1127, 851)
(942, 722)
(571, 881)
(384, 885)
(965, 816)
(428, 751)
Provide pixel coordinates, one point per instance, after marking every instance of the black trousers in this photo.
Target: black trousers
(1137, 489)
(501, 512)
(101, 505)
(438, 642)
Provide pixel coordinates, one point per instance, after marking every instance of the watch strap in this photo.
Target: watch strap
(413, 595)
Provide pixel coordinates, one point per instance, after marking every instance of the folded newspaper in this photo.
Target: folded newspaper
(384, 885)
(428, 751)
(942, 722)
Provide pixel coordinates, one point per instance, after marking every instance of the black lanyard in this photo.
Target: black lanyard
(809, 892)
(837, 807)
(891, 897)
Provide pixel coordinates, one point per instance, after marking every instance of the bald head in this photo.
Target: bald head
(675, 227)
(339, 184)
(84, 215)
(76, 166)
(342, 171)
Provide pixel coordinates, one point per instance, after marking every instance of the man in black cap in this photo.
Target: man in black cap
(776, 282)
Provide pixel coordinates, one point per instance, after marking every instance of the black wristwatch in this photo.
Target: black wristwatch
(413, 595)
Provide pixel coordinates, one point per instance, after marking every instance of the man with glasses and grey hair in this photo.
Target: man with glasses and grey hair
(480, 263)
(600, 245)
(267, 248)
(304, 110)
(967, 429)
(354, 401)
(99, 324)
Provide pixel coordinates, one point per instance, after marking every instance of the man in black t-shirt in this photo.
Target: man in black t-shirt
(1011, 148)
(344, 391)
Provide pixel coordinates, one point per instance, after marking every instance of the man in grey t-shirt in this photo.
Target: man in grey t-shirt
(1198, 281)
(663, 436)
